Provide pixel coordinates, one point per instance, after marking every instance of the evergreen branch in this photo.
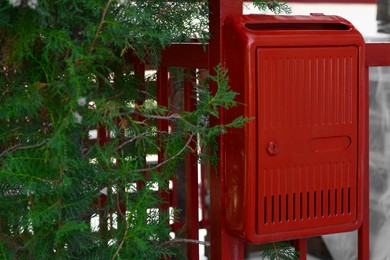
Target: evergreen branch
(30, 177)
(171, 158)
(5, 74)
(4, 92)
(100, 26)
(127, 225)
(138, 137)
(276, 251)
(56, 194)
(122, 242)
(186, 240)
(173, 116)
(275, 6)
(19, 147)
(124, 234)
(170, 117)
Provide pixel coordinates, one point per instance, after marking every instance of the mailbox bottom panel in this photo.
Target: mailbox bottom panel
(307, 197)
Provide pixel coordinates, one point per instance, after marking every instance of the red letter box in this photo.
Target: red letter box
(295, 170)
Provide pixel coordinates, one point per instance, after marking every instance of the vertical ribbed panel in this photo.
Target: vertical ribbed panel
(313, 87)
(307, 94)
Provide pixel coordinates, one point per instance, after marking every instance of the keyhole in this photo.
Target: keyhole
(273, 148)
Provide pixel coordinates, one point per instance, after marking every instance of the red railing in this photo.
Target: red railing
(197, 56)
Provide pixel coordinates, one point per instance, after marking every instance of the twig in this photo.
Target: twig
(171, 158)
(276, 250)
(124, 234)
(138, 137)
(100, 26)
(186, 240)
(5, 73)
(169, 117)
(19, 147)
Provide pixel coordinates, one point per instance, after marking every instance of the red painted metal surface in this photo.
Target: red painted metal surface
(364, 230)
(377, 54)
(296, 169)
(192, 199)
(223, 245)
(187, 55)
(301, 246)
(162, 125)
(204, 180)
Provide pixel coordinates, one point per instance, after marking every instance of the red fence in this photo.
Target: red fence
(193, 57)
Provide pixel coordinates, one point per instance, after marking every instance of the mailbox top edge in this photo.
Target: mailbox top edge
(313, 22)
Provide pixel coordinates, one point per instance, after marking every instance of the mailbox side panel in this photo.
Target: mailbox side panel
(236, 139)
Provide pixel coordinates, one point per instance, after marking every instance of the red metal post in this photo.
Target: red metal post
(204, 183)
(301, 246)
(364, 230)
(223, 245)
(192, 222)
(162, 125)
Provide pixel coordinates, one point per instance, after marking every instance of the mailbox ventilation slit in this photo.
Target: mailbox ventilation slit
(349, 200)
(265, 210)
(280, 208)
(335, 201)
(294, 207)
(287, 219)
(308, 205)
(342, 201)
(272, 209)
(315, 204)
(329, 203)
(322, 203)
(300, 206)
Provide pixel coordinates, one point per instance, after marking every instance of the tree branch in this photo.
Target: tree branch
(186, 240)
(100, 26)
(124, 234)
(138, 137)
(19, 147)
(168, 117)
(171, 158)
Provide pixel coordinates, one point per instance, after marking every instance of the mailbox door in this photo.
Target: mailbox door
(307, 120)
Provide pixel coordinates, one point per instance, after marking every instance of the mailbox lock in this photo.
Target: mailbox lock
(273, 148)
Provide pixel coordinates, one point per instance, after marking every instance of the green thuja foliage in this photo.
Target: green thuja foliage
(65, 74)
(275, 6)
(279, 251)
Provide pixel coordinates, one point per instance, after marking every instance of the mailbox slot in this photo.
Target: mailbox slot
(298, 26)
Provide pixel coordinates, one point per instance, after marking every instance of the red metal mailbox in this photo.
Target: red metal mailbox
(296, 169)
